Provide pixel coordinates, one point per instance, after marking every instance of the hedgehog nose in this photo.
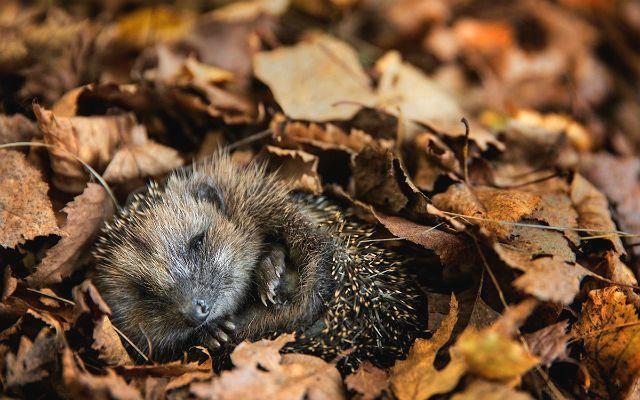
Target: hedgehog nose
(198, 312)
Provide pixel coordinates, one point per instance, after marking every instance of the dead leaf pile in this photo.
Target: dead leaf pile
(493, 145)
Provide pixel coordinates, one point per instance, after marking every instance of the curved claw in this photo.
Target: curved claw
(228, 325)
(221, 335)
(213, 343)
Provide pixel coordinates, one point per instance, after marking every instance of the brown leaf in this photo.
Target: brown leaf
(139, 157)
(85, 215)
(550, 278)
(82, 385)
(593, 210)
(261, 372)
(29, 363)
(89, 301)
(339, 81)
(617, 177)
(108, 344)
(549, 343)
(406, 90)
(416, 377)
(610, 330)
(92, 139)
(17, 128)
(184, 371)
(295, 166)
(325, 136)
(447, 246)
(368, 381)
(113, 144)
(25, 208)
(485, 390)
(9, 284)
(374, 176)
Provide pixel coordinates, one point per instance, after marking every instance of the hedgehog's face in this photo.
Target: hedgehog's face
(180, 267)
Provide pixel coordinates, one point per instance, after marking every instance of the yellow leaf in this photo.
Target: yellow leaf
(493, 355)
(146, 26)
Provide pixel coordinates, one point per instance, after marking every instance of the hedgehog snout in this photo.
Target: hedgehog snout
(196, 312)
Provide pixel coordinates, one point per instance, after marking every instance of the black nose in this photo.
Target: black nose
(198, 312)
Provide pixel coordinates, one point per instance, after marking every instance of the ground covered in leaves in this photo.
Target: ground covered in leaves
(523, 217)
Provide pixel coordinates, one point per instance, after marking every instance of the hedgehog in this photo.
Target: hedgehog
(222, 253)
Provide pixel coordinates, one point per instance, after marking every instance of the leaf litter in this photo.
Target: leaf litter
(520, 223)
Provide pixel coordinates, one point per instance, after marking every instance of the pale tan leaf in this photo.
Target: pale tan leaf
(316, 80)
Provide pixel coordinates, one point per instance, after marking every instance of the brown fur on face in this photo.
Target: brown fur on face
(199, 237)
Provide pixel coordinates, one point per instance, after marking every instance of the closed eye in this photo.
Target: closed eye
(196, 242)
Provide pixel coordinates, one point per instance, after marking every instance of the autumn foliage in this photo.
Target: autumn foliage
(493, 144)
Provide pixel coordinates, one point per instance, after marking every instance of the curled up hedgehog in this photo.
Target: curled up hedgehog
(222, 253)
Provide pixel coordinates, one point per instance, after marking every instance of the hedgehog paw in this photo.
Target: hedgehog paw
(269, 272)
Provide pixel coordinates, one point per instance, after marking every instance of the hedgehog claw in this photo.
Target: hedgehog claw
(214, 344)
(221, 335)
(228, 325)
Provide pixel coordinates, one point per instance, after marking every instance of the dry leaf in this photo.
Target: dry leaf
(368, 381)
(447, 246)
(405, 91)
(108, 344)
(374, 176)
(297, 167)
(593, 211)
(416, 377)
(139, 157)
(82, 385)
(484, 390)
(29, 364)
(492, 352)
(85, 215)
(17, 128)
(25, 208)
(262, 373)
(338, 81)
(610, 330)
(146, 26)
(549, 343)
(94, 140)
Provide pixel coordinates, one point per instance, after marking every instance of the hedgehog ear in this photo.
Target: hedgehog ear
(208, 191)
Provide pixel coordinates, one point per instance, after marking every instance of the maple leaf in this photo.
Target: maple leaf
(25, 208)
